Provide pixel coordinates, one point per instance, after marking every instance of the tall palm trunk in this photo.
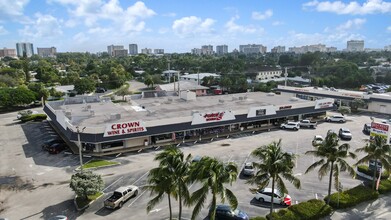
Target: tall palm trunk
(180, 203)
(213, 214)
(169, 206)
(330, 181)
(272, 201)
(374, 175)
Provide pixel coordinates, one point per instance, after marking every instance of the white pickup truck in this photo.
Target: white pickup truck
(120, 196)
(291, 125)
(308, 123)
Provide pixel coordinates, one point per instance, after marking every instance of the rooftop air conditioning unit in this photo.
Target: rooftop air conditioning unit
(240, 98)
(169, 99)
(294, 99)
(270, 94)
(194, 111)
(221, 101)
(234, 98)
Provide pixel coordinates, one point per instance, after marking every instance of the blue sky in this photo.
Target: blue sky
(180, 25)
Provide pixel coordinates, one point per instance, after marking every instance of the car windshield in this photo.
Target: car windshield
(248, 167)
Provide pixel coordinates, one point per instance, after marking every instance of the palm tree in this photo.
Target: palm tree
(213, 174)
(159, 183)
(332, 159)
(377, 150)
(274, 165)
(179, 167)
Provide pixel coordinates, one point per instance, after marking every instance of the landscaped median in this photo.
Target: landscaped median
(82, 203)
(311, 210)
(352, 197)
(98, 163)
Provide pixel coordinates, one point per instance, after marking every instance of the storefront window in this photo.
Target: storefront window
(112, 144)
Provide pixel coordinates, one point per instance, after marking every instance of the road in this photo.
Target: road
(38, 183)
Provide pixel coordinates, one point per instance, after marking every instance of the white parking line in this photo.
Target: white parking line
(316, 195)
(113, 183)
(140, 178)
(248, 155)
(137, 198)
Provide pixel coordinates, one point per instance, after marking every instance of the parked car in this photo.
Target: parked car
(318, 139)
(371, 165)
(225, 212)
(100, 90)
(46, 144)
(336, 118)
(59, 217)
(345, 134)
(265, 195)
(248, 169)
(308, 123)
(120, 196)
(57, 148)
(367, 129)
(291, 125)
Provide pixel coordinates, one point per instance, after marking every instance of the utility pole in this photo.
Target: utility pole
(286, 75)
(198, 74)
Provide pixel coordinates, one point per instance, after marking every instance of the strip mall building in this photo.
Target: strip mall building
(107, 128)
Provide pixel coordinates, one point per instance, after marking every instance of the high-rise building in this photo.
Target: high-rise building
(158, 51)
(387, 48)
(221, 49)
(146, 51)
(207, 50)
(120, 53)
(252, 48)
(112, 48)
(133, 49)
(47, 52)
(355, 45)
(7, 52)
(196, 51)
(24, 49)
(278, 49)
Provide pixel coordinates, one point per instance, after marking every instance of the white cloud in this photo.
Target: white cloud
(262, 16)
(277, 23)
(232, 27)
(188, 26)
(80, 38)
(163, 30)
(351, 24)
(171, 14)
(389, 28)
(339, 7)
(44, 26)
(3, 31)
(12, 10)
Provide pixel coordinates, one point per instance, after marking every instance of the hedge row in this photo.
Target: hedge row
(385, 186)
(365, 169)
(352, 197)
(34, 117)
(311, 210)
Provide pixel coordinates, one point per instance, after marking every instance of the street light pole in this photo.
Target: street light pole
(79, 143)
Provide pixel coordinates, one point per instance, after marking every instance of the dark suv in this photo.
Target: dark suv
(57, 148)
(225, 212)
(50, 142)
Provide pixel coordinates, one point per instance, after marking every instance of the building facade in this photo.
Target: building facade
(252, 49)
(133, 49)
(7, 52)
(146, 51)
(158, 51)
(47, 52)
(196, 51)
(112, 48)
(355, 45)
(207, 50)
(198, 77)
(268, 73)
(23, 49)
(221, 49)
(120, 53)
(278, 49)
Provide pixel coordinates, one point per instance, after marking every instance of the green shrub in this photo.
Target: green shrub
(365, 169)
(34, 117)
(311, 210)
(352, 197)
(385, 186)
(118, 101)
(258, 218)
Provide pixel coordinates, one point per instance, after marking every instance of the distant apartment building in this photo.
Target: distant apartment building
(196, 51)
(331, 49)
(7, 52)
(120, 53)
(278, 49)
(158, 51)
(207, 50)
(387, 48)
(146, 51)
(355, 45)
(133, 49)
(112, 48)
(221, 49)
(24, 49)
(312, 48)
(47, 52)
(268, 73)
(252, 49)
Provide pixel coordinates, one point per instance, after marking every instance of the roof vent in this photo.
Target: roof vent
(270, 94)
(294, 99)
(221, 101)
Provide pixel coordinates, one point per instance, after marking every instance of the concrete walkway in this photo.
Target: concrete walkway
(377, 209)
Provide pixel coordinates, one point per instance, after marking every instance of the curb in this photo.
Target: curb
(82, 208)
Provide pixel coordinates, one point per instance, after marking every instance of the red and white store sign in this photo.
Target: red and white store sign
(209, 117)
(324, 103)
(122, 128)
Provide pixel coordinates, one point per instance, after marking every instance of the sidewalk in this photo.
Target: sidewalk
(377, 209)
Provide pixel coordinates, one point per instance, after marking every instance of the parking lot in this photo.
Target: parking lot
(49, 175)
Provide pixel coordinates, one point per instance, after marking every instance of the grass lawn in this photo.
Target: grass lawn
(84, 202)
(95, 163)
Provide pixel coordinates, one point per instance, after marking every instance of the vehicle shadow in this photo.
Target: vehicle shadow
(104, 211)
(255, 202)
(66, 208)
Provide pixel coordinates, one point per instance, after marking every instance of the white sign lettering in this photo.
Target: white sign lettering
(324, 103)
(261, 111)
(209, 117)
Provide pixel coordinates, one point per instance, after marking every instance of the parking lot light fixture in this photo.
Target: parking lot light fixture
(79, 145)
